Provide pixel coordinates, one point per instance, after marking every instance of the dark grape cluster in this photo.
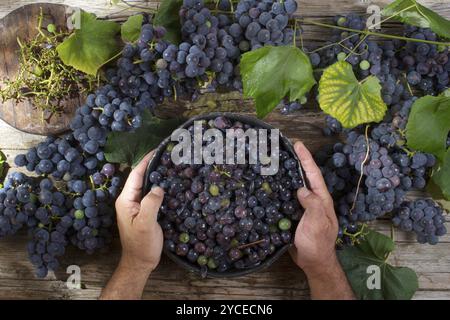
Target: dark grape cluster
(387, 168)
(49, 234)
(424, 217)
(80, 215)
(263, 23)
(427, 66)
(223, 217)
(17, 208)
(208, 46)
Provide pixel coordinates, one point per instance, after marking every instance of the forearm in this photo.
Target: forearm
(127, 283)
(329, 282)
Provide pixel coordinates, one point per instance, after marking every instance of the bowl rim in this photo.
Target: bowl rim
(246, 119)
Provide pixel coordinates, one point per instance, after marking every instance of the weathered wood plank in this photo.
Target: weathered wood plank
(283, 280)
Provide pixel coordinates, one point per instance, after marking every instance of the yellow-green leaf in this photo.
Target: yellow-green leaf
(91, 46)
(271, 73)
(345, 98)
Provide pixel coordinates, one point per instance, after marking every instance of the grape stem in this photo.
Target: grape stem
(243, 246)
(366, 134)
(370, 33)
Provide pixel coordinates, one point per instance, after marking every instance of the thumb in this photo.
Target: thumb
(151, 203)
(307, 199)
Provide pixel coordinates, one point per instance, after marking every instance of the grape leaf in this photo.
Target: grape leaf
(436, 193)
(271, 73)
(396, 283)
(442, 176)
(429, 124)
(345, 98)
(446, 93)
(131, 28)
(413, 13)
(130, 147)
(91, 46)
(168, 17)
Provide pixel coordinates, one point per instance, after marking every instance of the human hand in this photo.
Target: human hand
(140, 233)
(317, 230)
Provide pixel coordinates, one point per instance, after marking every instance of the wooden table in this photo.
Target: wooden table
(283, 280)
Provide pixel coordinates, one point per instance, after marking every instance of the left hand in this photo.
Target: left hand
(140, 233)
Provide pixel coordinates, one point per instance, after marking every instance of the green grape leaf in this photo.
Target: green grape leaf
(130, 147)
(345, 98)
(436, 193)
(441, 176)
(429, 125)
(91, 46)
(131, 28)
(413, 13)
(365, 261)
(446, 93)
(168, 17)
(271, 73)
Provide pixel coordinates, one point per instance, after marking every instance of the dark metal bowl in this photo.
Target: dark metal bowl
(154, 162)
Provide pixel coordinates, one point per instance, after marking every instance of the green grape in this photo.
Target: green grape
(284, 224)
(51, 28)
(184, 237)
(266, 187)
(364, 65)
(303, 100)
(214, 190)
(341, 56)
(79, 214)
(341, 21)
(202, 260)
(211, 263)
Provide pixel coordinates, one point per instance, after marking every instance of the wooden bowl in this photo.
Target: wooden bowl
(21, 23)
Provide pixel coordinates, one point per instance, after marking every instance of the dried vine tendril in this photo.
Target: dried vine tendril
(42, 77)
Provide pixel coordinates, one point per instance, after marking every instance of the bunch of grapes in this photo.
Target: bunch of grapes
(49, 235)
(424, 217)
(223, 217)
(427, 66)
(17, 204)
(387, 169)
(264, 23)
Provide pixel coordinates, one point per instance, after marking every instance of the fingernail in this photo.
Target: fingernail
(297, 146)
(303, 192)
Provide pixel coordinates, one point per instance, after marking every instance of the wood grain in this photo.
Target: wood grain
(283, 280)
(23, 115)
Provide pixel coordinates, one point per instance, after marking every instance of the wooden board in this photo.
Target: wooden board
(23, 115)
(283, 280)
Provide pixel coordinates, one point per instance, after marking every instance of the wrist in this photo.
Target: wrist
(324, 269)
(136, 266)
